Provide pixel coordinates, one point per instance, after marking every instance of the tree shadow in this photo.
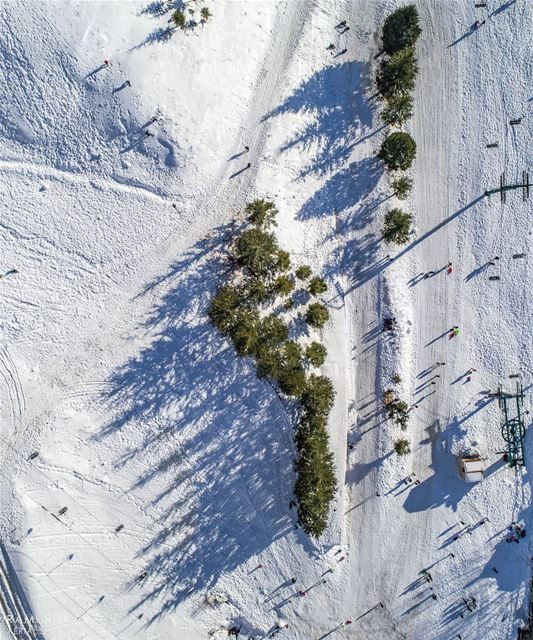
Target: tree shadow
(338, 115)
(160, 34)
(211, 444)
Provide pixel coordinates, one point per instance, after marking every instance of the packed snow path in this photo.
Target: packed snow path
(173, 460)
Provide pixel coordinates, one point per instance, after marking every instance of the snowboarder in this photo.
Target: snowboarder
(471, 371)
(148, 133)
(351, 445)
(142, 576)
(330, 47)
(343, 51)
(119, 528)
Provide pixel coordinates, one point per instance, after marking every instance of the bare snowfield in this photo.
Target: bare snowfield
(142, 414)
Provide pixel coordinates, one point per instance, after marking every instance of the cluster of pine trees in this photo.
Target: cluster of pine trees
(242, 310)
(395, 81)
(179, 19)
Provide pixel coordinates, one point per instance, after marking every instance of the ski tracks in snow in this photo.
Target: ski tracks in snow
(15, 394)
(45, 172)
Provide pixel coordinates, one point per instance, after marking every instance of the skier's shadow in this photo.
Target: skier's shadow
(477, 271)
(468, 33)
(120, 88)
(95, 71)
(239, 172)
(235, 156)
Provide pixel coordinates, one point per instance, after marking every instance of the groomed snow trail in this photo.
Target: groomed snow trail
(173, 460)
(466, 93)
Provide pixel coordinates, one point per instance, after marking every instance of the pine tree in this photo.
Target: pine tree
(205, 13)
(318, 397)
(398, 110)
(257, 250)
(178, 18)
(396, 75)
(303, 272)
(223, 308)
(401, 29)
(284, 261)
(398, 151)
(317, 286)
(283, 285)
(273, 330)
(317, 315)
(402, 446)
(262, 213)
(396, 226)
(245, 332)
(316, 354)
(402, 187)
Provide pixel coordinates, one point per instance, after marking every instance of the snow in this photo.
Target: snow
(143, 416)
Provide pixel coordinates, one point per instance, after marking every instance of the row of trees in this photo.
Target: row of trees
(397, 411)
(395, 80)
(243, 310)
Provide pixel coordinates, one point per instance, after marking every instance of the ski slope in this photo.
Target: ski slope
(173, 460)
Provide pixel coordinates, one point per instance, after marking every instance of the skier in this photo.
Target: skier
(142, 576)
(127, 83)
(343, 51)
(248, 165)
(246, 149)
(106, 62)
(428, 274)
(351, 445)
(148, 133)
(449, 268)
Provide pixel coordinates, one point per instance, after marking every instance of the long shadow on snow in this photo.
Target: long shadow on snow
(215, 444)
(338, 115)
(339, 118)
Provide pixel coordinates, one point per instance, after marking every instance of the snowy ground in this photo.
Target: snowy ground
(142, 415)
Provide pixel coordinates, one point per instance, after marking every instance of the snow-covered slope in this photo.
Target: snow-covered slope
(143, 418)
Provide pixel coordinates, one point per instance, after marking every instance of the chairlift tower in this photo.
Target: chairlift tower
(503, 188)
(513, 429)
